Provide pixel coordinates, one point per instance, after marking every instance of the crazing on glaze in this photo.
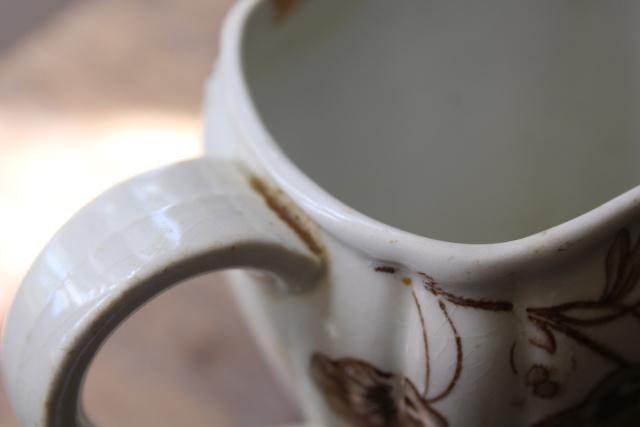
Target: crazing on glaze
(364, 395)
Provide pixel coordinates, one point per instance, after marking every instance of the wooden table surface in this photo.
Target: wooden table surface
(103, 90)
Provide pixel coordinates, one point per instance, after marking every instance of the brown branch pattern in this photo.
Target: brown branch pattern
(549, 345)
(365, 396)
(458, 369)
(622, 273)
(432, 286)
(425, 343)
(512, 359)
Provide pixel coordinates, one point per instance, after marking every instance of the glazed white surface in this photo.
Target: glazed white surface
(122, 249)
(448, 325)
(467, 122)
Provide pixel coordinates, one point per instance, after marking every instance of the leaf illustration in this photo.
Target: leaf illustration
(490, 305)
(622, 267)
(614, 263)
(549, 326)
(365, 396)
(547, 341)
(630, 275)
(583, 313)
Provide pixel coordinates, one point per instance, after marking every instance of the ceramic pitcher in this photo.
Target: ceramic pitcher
(434, 203)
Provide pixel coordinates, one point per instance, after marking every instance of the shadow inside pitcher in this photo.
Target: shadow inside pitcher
(473, 122)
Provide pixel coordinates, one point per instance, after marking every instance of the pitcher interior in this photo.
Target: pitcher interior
(468, 121)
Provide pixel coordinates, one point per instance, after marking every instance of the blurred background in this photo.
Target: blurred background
(91, 93)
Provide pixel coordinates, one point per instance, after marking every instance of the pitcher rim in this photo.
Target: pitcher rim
(385, 241)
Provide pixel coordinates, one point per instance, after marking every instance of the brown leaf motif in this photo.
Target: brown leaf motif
(365, 396)
(622, 273)
(622, 268)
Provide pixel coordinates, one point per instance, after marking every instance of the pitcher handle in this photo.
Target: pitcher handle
(128, 245)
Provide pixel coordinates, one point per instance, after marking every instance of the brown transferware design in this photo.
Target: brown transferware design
(622, 271)
(365, 396)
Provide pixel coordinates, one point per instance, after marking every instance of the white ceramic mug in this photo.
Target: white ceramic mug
(486, 123)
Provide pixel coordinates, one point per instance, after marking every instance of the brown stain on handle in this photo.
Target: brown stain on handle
(288, 213)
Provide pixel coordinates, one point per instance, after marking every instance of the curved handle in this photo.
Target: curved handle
(128, 245)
